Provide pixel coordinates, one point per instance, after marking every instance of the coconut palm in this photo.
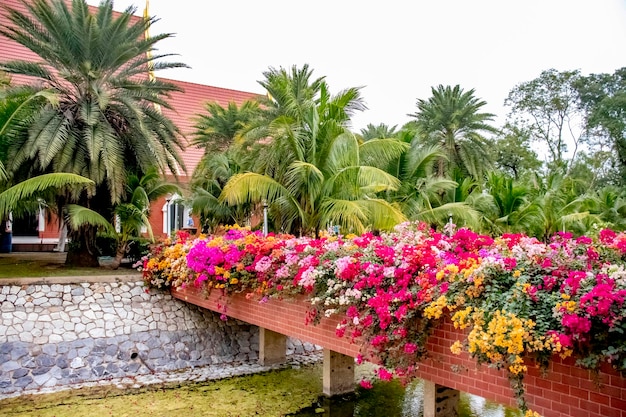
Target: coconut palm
(608, 207)
(513, 210)
(306, 164)
(216, 132)
(208, 181)
(562, 208)
(419, 196)
(452, 119)
(107, 120)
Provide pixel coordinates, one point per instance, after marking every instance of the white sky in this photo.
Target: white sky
(396, 49)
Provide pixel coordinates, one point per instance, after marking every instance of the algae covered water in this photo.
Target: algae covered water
(391, 399)
(286, 392)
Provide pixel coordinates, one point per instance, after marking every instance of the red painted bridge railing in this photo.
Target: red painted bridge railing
(563, 390)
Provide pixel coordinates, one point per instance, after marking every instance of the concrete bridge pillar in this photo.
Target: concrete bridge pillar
(272, 347)
(338, 375)
(440, 401)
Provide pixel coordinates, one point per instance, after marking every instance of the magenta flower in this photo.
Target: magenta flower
(576, 324)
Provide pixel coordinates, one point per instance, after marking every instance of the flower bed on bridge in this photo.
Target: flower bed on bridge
(518, 299)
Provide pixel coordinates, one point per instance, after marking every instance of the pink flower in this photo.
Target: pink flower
(365, 384)
(576, 324)
(379, 340)
(384, 374)
(606, 236)
(410, 348)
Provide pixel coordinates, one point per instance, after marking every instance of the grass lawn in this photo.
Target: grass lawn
(48, 264)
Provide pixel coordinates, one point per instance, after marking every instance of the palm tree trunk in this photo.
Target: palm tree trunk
(119, 255)
(82, 250)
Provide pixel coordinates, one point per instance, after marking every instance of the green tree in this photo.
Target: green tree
(381, 131)
(216, 130)
(17, 104)
(511, 153)
(549, 107)
(452, 119)
(307, 165)
(208, 181)
(608, 207)
(560, 204)
(421, 193)
(513, 208)
(107, 120)
(604, 97)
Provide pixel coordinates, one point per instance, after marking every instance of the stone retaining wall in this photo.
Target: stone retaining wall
(57, 334)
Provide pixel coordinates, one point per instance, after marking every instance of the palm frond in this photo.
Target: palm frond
(78, 216)
(250, 187)
(380, 152)
(29, 188)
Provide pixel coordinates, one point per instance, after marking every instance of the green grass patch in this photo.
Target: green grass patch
(47, 264)
(273, 393)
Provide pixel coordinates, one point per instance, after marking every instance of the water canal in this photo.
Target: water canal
(293, 392)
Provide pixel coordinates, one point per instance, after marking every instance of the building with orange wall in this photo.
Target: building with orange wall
(166, 214)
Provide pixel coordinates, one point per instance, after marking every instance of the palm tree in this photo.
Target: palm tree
(17, 103)
(562, 208)
(381, 131)
(107, 120)
(131, 215)
(307, 165)
(452, 119)
(608, 207)
(513, 211)
(216, 131)
(208, 181)
(420, 191)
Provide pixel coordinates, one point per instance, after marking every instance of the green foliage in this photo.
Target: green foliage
(604, 98)
(104, 120)
(512, 154)
(29, 188)
(381, 131)
(216, 131)
(548, 107)
(304, 162)
(452, 119)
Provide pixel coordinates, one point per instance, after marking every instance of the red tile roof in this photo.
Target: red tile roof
(189, 103)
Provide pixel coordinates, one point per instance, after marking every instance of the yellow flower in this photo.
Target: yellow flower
(477, 288)
(435, 309)
(215, 242)
(517, 273)
(517, 367)
(456, 347)
(565, 306)
(460, 318)
(531, 413)
(452, 268)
